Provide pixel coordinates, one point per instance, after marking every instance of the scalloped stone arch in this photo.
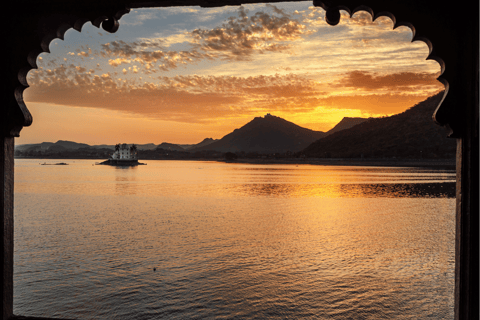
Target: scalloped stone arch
(453, 29)
(109, 22)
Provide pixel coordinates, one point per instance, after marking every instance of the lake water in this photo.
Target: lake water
(233, 241)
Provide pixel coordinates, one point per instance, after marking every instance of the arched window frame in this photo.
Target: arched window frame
(451, 32)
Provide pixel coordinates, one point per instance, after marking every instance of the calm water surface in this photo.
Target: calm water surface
(232, 241)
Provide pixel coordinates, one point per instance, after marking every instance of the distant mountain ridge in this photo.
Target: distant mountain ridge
(268, 134)
(59, 145)
(63, 145)
(410, 134)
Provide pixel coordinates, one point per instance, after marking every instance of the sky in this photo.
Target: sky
(183, 74)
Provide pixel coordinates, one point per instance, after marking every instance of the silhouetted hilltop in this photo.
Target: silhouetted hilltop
(70, 144)
(269, 134)
(204, 142)
(34, 147)
(47, 145)
(169, 146)
(346, 123)
(411, 134)
(62, 146)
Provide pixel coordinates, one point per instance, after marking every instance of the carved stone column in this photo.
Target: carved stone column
(6, 211)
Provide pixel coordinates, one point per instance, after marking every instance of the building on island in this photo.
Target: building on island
(123, 152)
(123, 156)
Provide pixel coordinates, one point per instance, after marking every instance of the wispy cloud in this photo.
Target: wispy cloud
(138, 17)
(181, 36)
(367, 81)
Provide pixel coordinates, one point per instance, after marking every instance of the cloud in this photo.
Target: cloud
(177, 38)
(80, 69)
(363, 18)
(119, 48)
(237, 39)
(397, 81)
(205, 99)
(118, 61)
(161, 102)
(376, 104)
(200, 99)
(195, 14)
(178, 10)
(181, 98)
(240, 37)
(138, 17)
(150, 53)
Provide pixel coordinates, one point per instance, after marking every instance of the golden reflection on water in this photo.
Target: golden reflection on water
(199, 179)
(125, 178)
(272, 240)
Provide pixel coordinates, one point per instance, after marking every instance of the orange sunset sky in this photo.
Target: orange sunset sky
(182, 74)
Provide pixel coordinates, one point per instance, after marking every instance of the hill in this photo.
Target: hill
(269, 134)
(59, 145)
(204, 142)
(411, 134)
(346, 123)
(70, 144)
(169, 146)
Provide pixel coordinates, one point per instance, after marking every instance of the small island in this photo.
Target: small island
(54, 164)
(123, 156)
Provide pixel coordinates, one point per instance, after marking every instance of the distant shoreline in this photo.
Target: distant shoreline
(431, 163)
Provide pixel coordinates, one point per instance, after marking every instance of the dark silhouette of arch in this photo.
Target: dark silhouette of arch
(450, 31)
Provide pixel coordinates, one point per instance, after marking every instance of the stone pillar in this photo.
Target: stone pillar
(6, 210)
